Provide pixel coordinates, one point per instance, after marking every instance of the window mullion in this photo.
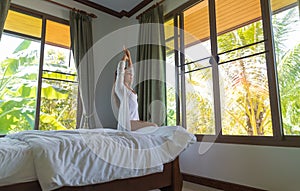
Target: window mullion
(39, 86)
(271, 70)
(215, 69)
(176, 58)
(182, 70)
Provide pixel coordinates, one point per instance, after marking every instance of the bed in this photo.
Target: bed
(147, 167)
(168, 180)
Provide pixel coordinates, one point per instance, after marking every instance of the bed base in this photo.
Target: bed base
(168, 180)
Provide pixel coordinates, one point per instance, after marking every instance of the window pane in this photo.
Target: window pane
(198, 77)
(243, 52)
(171, 89)
(245, 97)
(58, 105)
(19, 66)
(169, 29)
(199, 101)
(57, 60)
(286, 28)
(169, 36)
(170, 72)
(23, 24)
(54, 28)
(59, 90)
(196, 24)
(198, 53)
(242, 15)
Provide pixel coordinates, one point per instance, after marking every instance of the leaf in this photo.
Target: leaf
(23, 46)
(52, 122)
(11, 65)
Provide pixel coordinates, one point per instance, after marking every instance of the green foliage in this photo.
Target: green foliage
(288, 65)
(171, 106)
(200, 116)
(17, 108)
(18, 92)
(244, 83)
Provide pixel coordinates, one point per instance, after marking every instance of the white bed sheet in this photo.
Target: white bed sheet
(82, 157)
(16, 162)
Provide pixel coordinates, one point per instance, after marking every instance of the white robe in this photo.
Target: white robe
(128, 109)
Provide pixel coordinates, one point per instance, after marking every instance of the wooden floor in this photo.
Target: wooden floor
(187, 186)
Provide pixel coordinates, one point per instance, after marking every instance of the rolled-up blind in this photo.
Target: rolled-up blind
(57, 34)
(230, 14)
(24, 24)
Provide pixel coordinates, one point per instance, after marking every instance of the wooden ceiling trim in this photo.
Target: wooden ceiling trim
(100, 8)
(113, 12)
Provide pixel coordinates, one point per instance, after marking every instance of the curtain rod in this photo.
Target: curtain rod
(67, 7)
(153, 6)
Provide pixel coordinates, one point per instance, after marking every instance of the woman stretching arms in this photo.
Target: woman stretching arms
(128, 118)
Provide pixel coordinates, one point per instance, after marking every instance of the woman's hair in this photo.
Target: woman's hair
(116, 98)
(116, 73)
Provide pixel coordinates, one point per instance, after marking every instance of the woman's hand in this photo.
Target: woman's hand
(124, 58)
(127, 53)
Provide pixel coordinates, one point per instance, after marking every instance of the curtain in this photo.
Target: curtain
(151, 68)
(299, 7)
(81, 45)
(4, 6)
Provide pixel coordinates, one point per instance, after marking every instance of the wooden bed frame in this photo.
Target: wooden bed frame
(168, 180)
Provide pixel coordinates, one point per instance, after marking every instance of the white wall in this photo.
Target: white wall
(270, 168)
(110, 34)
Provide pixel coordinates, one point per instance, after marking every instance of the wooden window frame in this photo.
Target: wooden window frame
(278, 138)
(44, 18)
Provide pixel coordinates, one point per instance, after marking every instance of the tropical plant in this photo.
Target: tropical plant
(18, 91)
(246, 101)
(199, 102)
(18, 76)
(288, 66)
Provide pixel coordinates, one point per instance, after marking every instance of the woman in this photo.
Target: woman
(128, 118)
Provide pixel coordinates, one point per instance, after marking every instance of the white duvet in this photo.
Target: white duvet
(82, 157)
(16, 162)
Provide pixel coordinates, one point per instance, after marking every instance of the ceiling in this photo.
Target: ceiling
(117, 8)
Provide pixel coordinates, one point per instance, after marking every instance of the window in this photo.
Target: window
(36, 93)
(197, 71)
(229, 75)
(172, 95)
(286, 29)
(245, 101)
(18, 82)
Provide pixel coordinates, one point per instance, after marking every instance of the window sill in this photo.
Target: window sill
(286, 141)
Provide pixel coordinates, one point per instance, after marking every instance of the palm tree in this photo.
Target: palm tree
(288, 66)
(245, 85)
(245, 81)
